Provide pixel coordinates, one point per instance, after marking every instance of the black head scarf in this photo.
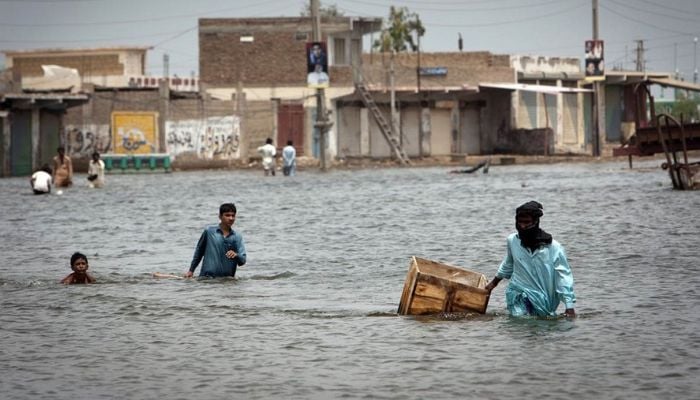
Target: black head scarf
(532, 236)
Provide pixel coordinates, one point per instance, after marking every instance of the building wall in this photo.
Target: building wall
(88, 62)
(276, 56)
(528, 109)
(378, 146)
(349, 127)
(470, 132)
(533, 65)
(189, 128)
(613, 113)
(570, 119)
(410, 124)
(440, 133)
(495, 119)
(260, 124)
(463, 69)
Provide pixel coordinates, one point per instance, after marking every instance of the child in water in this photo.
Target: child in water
(79, 265)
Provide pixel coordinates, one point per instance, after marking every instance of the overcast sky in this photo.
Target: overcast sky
(533, 27)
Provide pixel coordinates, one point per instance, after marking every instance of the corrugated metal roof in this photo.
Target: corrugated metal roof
(675, 83)
(547, 89)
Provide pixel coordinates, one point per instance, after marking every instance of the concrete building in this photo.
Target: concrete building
(264, 59)
(30, 128)
(468, 103)
(440, 110)
(253, 86)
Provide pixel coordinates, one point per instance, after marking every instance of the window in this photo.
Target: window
(339, 51)
(355, 51)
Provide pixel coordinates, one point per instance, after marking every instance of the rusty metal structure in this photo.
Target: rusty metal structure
(662, 133)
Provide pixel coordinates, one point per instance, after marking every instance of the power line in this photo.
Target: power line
(652, 12)
(665, 6)
(445, 3)
(49, 1)
(121, 22)
(461, 9)
(176, 36)
(644, 22)
(514, 21)
(98, 39)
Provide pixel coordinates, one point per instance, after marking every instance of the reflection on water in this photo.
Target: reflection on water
(312, 316)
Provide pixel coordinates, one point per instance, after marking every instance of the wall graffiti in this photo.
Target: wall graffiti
(136, 132)
(83, 140)
(210, 138)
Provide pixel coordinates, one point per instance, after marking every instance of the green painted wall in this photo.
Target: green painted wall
(21, 146)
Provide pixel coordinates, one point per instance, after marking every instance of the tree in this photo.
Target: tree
(398, 35)
(687, 108)
(325, 11)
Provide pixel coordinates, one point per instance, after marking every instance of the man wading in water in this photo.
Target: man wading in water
(221, 247)
(540, 276)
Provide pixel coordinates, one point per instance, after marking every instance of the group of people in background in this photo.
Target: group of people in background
(269, 158)
(61, 175)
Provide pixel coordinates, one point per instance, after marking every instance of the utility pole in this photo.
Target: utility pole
(392, 82)
(166, 65)
(675, 60)
(695, 60)
(322, 122)
(420, 100)
(596, 89)
(640, 55)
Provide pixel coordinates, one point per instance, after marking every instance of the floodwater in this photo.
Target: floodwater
(312, 315)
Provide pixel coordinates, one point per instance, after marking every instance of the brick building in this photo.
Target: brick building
(266, 57)
(461, 102)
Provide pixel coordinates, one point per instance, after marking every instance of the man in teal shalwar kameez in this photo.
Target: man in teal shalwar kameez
(539, 273)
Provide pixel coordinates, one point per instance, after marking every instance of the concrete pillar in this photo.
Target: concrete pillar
(456, 132)
(581, 125)
(6, 142)
(164, 111)
(515, 107)
(241, 111)
(559, 121)
(364, 132)
(602, 134)
(36, 132)
(425, 132)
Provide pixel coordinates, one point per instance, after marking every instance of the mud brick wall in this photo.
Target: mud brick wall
(275, 57)
(464, 68)
(87, 65)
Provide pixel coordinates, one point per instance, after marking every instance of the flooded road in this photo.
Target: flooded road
(312, 314)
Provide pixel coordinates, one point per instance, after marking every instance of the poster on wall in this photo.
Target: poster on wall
(208, 139)
(595, 63)
(317, 65)
(134, 132)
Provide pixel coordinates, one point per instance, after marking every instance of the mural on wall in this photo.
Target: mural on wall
(83, 140)
(135, 132)
(210, 138)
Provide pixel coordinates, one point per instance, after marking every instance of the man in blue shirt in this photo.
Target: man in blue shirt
(539, 273)
(221, 247)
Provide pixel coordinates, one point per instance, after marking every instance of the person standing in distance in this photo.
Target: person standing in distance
(220, 246)
(62, 169)
(539, 273)
(268, 153)
(41, 180)
(96, 171)
(289, 159)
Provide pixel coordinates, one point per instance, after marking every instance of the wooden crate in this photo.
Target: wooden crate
(432, 287)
